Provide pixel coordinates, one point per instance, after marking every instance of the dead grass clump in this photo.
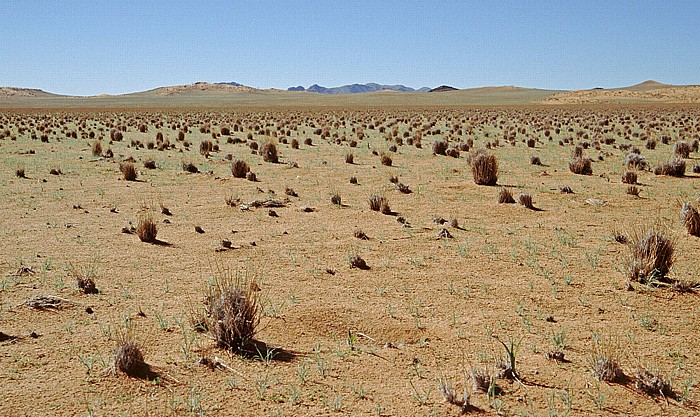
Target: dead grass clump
(581, 166)
(440, 147)
(376, 202)
(482, 380)
(84, 278)
(55, 171)
(239, 168)
(450, 395)
(308, 142)
(674, 168)
(525, 200)
(691, 219)
(97, 148)
(636, 161)
(386, 160)
(20, 173)
(629, 177)
(505, 196)
(232, 309)
(149, 164)
(402, 188)
(349, 158)
(269, 152)
(128, 357)
(336, 199)
(295, 143)
(206, 147)
(353, 180)
(189, 167)
(128, 171)
(147, 228)
(484, 167)
(682, 149)
(633, 190)
(357, 262)
(653, 384)
(651, 255)
(250, 176)
(566, 190)
(535, 160)
(358, 233)
(605, 361)
(290, 192)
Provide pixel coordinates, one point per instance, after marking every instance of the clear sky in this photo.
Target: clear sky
(93, 47)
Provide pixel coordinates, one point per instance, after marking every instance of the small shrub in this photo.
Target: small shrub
(19, 172)
(581, 166)
(128, 357)
(629, 177)
(128, 171)
(535, 160)
(484, 167)
(269, 152)
(349, 158)
(250, 176)
(295, 144)
(149, 164)
(239, 168)
(84, 278)
(505, 196)
(205, 147)
(674, 168)
(308, 142)
(147, 228)
(336, 199)
(691, 219)
(353, 180)
(651, 255)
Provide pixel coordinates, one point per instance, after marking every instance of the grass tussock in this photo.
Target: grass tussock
(691, 219)
(629, 177)
(484, 167)
(239, 168)
(232, 309)
(128, 356)
(581, 166)
(526, 201)
(128, 171)
(147, 230)
(673, 168)
(505, 196)
(269, 152)
(605, 361)
(651, 255)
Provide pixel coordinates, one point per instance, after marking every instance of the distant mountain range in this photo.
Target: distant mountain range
(359, 88)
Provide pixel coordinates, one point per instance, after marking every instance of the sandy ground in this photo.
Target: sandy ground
(344, 340)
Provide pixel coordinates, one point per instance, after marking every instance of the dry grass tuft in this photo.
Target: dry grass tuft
(358, 233)
(450, 395)
(97, 148)
(691, 219)
(653, 384)
(20, 173)
(349, 158)
(386, 160)
(147, 228)
(674, 168)
(128, 357)
(376, 202)
(505, 196)
(440, 147)
(149, 164)
(239, 168)
(481, 379)
(633, 190)
(682, 149)
(357, 262)
(232, 309)
(128, 171)
(581, 166)
(484, 167)
(269, 152)
(651, 255)
(189, 167)
(629, 177)
(525, 200)
(84, 278)
(604, 361)
(535, 160)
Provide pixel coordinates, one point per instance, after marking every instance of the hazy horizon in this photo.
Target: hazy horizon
(89, 48)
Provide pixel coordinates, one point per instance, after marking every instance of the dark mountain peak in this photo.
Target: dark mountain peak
(233, 83)
(298, 88)
(442, 88)
(357, 88)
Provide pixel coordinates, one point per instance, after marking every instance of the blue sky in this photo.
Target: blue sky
(93, 47)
